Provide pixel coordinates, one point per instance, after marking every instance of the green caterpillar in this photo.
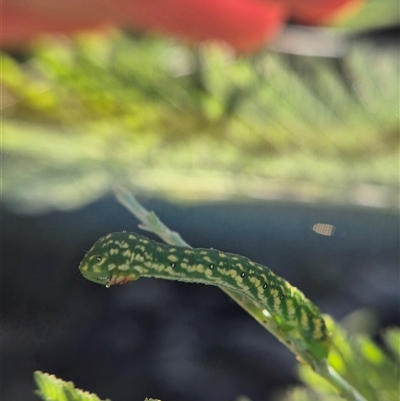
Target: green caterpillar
(121, 257)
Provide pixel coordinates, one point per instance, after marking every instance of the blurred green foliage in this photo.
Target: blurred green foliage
(372, 370)
(81, 115)
(374, 14)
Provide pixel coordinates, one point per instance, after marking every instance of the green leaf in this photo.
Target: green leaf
(392, 340)
(50, 388)
(362, 363)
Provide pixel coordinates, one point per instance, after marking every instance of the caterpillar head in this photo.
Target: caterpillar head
(109, 261)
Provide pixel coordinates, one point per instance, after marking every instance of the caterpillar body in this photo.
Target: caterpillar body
(121, 257)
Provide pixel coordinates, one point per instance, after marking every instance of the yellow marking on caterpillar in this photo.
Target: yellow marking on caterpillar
(111, 266)
(290, 308)
(303, 318)
(191, 268)
(157, 266)
(114, 251)
(235, 258)
(161, 267)
(222, 255)
(172, 258)
(127, 253)
(277, 303)
(255, 281)
(260, 292)
(188, 251)
(224, 272)
(169, 270)
(144, 241)
(123, 267)
(200, 268)
(172, 249)
(283, 289)
(275, 297)
(207, 259)
(317, 333)
(84, 268)
(232, 273)
(239, 265)
(131, 236)
(122, 244)
(184, 265)
(138, 257)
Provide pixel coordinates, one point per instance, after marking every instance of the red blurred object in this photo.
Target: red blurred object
(244, 24)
